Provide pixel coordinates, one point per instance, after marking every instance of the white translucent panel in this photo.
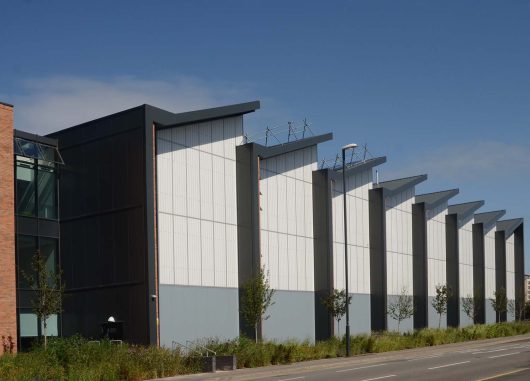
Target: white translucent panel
(207, 253)
(164, 176)
(291, 207)
(220, 255)
(205, 136)
(179, 183)
(292, 275)
(264, 242)
(299, 165)
(230, 192)
(193, 177)
(309, 264)
(238, 129)
(164, 134)
(299, 208)
(264, 202)
(301, 264)
(308, 209)
(338, 250)
(282, 204)
(231, 256)
(272, 265)
(165, 248)
(206, 186)
(218, 138)
(178, 136)
(180, 250)
(272, 201)
(28, 325)
(192, 136)
(308, 163)
(194, 252)
(219, 204)
(229, 138)
(283, 260)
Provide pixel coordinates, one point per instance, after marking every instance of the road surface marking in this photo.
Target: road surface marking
(494, 350)
(379, 378)
(294, 378)
(361, 367)
(425, 358)
(506, 354)
(445, 366)
(502, 374)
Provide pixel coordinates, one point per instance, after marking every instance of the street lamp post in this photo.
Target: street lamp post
(344, 149)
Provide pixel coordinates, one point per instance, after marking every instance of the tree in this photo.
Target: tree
(336, 303)
(256, 299)
(48, 291)
(499, 302)
(439, 302)
(401, 308)
(470, 305)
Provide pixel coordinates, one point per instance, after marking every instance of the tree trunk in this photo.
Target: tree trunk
(399, 321)
(44, 332)
(256, 332)
(338, 328)
(439, 320)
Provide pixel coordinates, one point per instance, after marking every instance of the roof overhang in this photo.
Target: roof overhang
(488, 219)
(393, 187)
(356, 167)
(210, 114)
(466, 209)
(432, 200)
(266, 152)
(509, 226)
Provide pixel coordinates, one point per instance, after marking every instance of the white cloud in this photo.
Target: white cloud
(51, 104)
(480, 161)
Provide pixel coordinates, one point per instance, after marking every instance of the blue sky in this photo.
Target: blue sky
(438, 87)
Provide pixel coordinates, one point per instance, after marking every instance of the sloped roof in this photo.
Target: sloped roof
(266, 152)
(357, 166)
(465, 209)
(509, 226)
(432, 200)
(489, 218)
(393, 187)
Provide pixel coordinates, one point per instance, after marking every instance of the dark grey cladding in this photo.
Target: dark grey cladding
(509, 226)
(465, 209)
(432, 200)
(488, 219)
(392, 187)
(358, 166)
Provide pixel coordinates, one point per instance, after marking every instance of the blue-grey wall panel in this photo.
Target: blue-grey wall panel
(193, 313)
(291, 316)
(359, 315)
(405, 325)
(434, 317)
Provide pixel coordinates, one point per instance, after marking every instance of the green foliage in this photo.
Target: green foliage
(439, 302)
(48, 291)
(499, 302)
(257, 298)
(472, 306)
(401, 308)
(336, 303)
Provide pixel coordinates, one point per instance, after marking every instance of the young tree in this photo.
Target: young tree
(401, 308)
(336, 303)
(439, 302)
(48, 291)
(470, 307)
(510, 306)
(499, 302)
(256, 299)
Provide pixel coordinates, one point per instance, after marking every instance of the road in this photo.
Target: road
(494, 359)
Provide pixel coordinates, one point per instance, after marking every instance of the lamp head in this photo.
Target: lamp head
(349, 146)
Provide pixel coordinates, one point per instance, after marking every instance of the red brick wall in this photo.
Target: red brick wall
(8, 319)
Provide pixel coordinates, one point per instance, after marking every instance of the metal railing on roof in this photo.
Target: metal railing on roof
(281, 134)
(355, 157)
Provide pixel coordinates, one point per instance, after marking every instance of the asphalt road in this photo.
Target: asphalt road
(495, 359)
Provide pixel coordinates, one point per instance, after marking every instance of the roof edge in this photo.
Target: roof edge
(266, 152)
(433, 199)
(392, 187)
(465, 209)
(357, 167)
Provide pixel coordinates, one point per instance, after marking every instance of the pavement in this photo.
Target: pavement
(494, 359)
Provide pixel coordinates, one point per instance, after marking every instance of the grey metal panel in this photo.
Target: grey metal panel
(359, 166)
(432, 200)
(500, 265)
(419, 265)
(489, 314)
(465, 209)
(37, 227)
(464, 319)
(489, 218)
(519, 268)
(406, 325)
(378, 274)
(509, 226)
(479, 287)
(280, 149)
(211, 113)
(360, 319)
(393, 187)
(193, 313)
(291, 316)
(323, 251)
(452, 270)
(435, 319)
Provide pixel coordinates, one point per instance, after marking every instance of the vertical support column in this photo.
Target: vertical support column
(479, 288)
(519, 272)
(452, 270)
(419, 265)
(500, 267)
(323, 257)
(8, 291)
(248, 238)
(378, 273)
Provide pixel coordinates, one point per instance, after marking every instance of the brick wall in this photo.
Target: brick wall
(8, 320)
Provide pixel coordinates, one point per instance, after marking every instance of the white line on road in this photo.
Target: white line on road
(494, 350)
(361, 367)
(294, 378)
(453, 364)
(379, 378)
(425, 358)
(506, 354)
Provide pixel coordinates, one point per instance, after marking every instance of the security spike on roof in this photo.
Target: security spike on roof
(509, 226)
(432, 200)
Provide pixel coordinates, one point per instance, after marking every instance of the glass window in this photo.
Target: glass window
(47, 193)
(50, 154)
(29, 326)
(29, 149)
(17, 149)
(26, 249)
(25, 198)
(48, 250)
